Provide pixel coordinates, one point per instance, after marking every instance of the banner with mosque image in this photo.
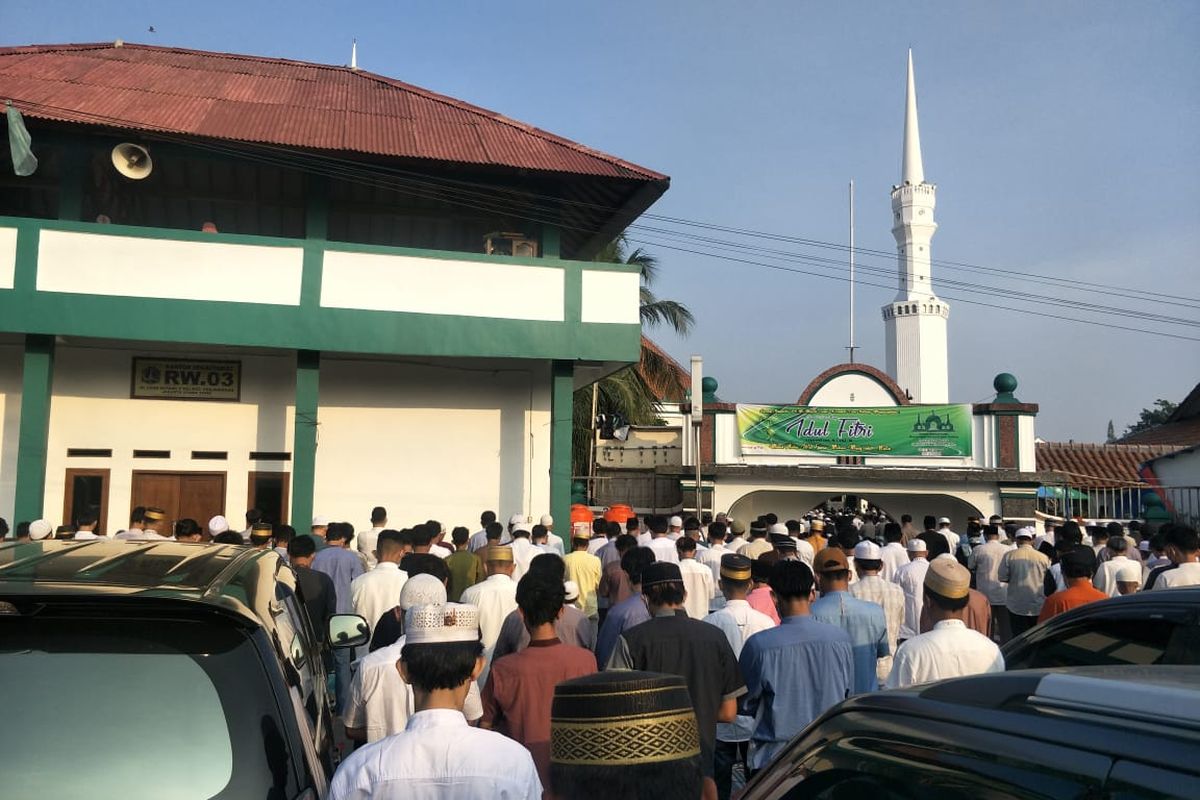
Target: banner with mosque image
(908, 431)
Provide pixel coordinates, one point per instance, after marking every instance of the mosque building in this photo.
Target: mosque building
(232, 281)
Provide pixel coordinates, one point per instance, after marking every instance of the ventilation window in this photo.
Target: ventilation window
(266, 455)
(151, 453)
(210, 455)
(88, 452)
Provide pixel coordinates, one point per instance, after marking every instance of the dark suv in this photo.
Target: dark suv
(158, 670)
(1094, 733)
(1159, 627)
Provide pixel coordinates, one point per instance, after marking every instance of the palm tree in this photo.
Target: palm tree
(636, 391)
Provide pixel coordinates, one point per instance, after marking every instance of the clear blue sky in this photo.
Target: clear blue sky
(1064, 138)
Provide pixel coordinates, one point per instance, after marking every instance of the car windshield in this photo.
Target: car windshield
(162, 709)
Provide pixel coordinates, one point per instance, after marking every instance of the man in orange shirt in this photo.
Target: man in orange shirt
(1078, 565)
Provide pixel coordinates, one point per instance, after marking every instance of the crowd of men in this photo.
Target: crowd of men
(497, 659)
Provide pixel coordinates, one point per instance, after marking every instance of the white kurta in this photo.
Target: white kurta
(366, 545)
(950, 650)
(894, 556)
(890, 597)
(985, 563)
(698, 581)
(1185, 574)
(382, 702)
(438, 756)
(375, 593)
(523, 551)
(911, 578)
(496, 598)
(664, 550)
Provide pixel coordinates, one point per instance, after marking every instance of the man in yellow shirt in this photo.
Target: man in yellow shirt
(585, 569)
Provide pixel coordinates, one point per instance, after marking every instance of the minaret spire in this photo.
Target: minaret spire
(912, 171)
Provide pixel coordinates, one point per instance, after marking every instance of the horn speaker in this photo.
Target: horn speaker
(132, 160)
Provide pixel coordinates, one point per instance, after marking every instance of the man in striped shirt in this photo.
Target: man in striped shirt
(871, 587)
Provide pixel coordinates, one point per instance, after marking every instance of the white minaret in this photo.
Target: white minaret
(915, 322)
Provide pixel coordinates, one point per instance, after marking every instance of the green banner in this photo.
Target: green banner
(909, 431)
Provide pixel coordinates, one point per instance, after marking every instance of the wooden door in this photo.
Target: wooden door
(195, 495)
(86, 490)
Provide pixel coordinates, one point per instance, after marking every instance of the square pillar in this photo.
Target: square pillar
(304, 440)
(37, 379)
(562, 392)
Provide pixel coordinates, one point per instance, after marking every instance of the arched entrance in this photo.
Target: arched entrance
(795, 503)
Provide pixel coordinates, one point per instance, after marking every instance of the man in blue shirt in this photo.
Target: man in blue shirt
(794, 672)
(630, 611)
(862, 619)
(342, 565)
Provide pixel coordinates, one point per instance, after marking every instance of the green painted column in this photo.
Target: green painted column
(562, 389)
(304, 446)
(37, 380)
(551, 237)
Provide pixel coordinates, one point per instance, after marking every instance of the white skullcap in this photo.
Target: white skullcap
(917, 546)
(572, 591)
(547, 520)
(452, 622)
(778, 529)
(521, 525)
(422, 590)
(40, 529)
(1130, 573)
(516, 519)
(218, 524)
(943, 520)
(1026, 532)
(867, 551)
(675, 522)
(320, 522)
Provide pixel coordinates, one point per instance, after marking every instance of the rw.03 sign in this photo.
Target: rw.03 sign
(176, 379)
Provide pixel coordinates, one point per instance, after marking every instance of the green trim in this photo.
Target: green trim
(304, 444)
(562, 390)
(37, 380)
(307, 326)
(316, 226)
(70, 182)
(551, 241)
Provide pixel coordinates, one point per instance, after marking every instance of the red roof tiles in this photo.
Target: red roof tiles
(281, 102)
(1098, 465)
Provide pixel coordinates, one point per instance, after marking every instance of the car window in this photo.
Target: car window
(176, 709)
(1114, 641)
(906, 768)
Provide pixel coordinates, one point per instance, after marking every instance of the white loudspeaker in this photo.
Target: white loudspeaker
(132, 160)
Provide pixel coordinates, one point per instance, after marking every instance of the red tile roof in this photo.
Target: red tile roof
(1098, 465)
(280, 102)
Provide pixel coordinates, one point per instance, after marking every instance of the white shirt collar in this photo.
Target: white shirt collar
(436, 718)
(950, 623)
(387, 565)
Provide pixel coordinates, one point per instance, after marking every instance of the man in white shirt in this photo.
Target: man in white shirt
(870, 586)
(495, 597)
(985, 563)
(86, 527)
(137, 522)
(553, 540)
(380, 701)
(660, 543)
(674, 528)
(366, 539)
(911, 578)
(697, 579)
(438, 755)
(951, 649)
(1183, 548)
(377, 591)
(738, 621)
(523, 549)
(711, 558)
(952, 538)
(894, 556)
(737, 529)
(1105, 579)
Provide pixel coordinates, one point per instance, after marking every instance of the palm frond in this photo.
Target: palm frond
(669, 312)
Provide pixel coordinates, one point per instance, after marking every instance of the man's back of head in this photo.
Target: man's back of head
(378, 516)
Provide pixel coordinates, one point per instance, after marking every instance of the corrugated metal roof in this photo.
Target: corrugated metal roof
(275, 101)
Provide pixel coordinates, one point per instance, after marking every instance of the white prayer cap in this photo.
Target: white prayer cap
(943, 520)
(452, 622)
(40, 529)
(218, 524)
(1026, 532)
(1130, 573)
(1144, 545)
(422, 590)
(320, 522)
(675, 522)
(917, 546)
(547, 520)
(516, 519)
(572, 591)
(867, 551)
(778, 529)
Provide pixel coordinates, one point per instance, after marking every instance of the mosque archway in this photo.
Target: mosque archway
(795, 503)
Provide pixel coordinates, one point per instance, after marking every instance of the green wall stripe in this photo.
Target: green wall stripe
(304, 445)
(562, 389)
(37, 380)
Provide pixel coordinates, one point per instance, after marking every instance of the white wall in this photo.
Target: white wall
(852, 390)
(440, 442)
(91, 408)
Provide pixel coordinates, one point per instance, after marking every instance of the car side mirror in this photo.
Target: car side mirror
(348, 630)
